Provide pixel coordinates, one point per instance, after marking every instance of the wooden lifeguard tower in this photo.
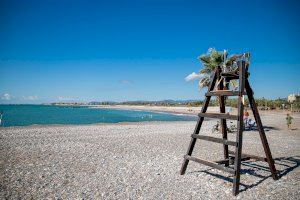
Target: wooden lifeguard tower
(219, 87)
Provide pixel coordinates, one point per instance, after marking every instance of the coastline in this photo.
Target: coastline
(183, 110)
(87, 125)
(173, 110)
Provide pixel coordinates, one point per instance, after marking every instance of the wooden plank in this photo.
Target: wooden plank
(198, 125)
(223, 93)
(213, 139)
(232, 76)
(229, 76)
(219, 116)
(223, 121)
(240, 128)
(224, 161)
(244, 155)
(210, 164)
(261, 131)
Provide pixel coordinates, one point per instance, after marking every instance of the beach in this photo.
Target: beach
(189, 110)
(167, 109)
(141, 161)
(127, 100)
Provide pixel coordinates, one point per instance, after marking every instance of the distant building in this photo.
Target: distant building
(293, 97)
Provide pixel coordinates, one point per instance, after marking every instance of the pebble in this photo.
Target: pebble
(133, 161)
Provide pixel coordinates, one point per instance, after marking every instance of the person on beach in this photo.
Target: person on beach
(246, 117)
(289, 121)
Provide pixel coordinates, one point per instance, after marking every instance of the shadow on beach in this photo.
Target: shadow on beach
(268, 128)
(259, 169)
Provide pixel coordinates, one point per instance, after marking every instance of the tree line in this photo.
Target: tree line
(262, 103)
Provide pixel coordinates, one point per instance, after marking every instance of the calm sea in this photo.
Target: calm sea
(24, 115)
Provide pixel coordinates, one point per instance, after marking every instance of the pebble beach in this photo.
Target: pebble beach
(141, 161)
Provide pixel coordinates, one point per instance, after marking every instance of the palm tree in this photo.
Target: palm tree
(210, 61)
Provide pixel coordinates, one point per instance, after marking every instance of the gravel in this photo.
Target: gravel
(138, 161)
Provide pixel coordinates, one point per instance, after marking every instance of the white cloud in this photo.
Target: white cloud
(6, 96)
(125, 82)
(193, 76)
(30, 98)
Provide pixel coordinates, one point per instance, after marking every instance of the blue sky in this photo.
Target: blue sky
(140, 50)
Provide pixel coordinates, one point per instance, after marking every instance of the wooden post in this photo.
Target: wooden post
(240, 128)
(223, 121)
(261, 130)
(199, 124)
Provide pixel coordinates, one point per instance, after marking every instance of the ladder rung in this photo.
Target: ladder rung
(250, 156)
(210, 164)
(218, 115)
(224, 161)
(223, 93)
(242, 159)
(230, 75)
(213, 139)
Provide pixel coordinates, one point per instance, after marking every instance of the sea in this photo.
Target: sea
(25, 115)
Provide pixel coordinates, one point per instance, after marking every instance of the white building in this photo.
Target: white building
(293, 97)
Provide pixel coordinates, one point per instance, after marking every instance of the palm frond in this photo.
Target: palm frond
(204, 58)
(204, 82)
(213, 59)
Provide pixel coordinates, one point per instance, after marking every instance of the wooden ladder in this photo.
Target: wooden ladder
(244, 88)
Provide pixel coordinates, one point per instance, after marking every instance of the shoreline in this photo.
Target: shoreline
(185, 110)
(182, 110)
(172, 110)
(87, 125)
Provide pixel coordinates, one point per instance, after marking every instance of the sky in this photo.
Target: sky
(141, 50)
